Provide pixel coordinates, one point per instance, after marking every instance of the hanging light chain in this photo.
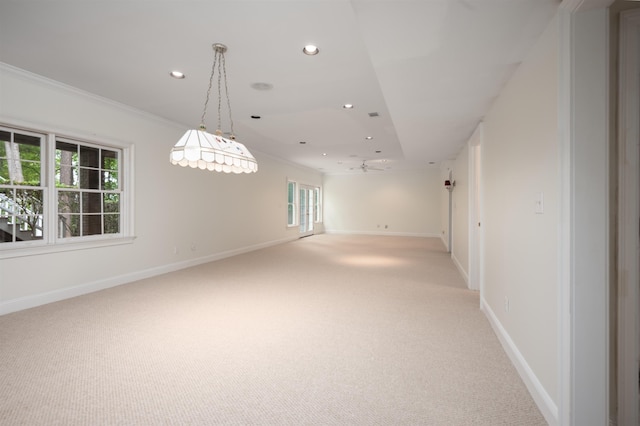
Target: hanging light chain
(204, 112)
(219, 92)
(220, 63)
(226, 92)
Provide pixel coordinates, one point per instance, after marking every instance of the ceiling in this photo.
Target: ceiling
(430, 69)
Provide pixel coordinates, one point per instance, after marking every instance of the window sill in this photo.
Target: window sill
(35, 250)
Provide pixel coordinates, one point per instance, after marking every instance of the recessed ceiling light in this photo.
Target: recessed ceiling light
(347, 106)
(378, 152)
(303, 142)
(369, 138)
(311, 49)
(177, 74)
(256, 117)
(324, 153)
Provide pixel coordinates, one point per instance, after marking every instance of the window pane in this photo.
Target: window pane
(109, 160)
(6, 215)
(26, 156)
(8, 206)
(27, 143)
(89, 179)
(4, 170)
(66, 154)
(291, 191)
(111, 223)
(29, 201)
(29, 228)
(68, 225)
(290, 214)
(30, 173)
(6, 233)
(89, 157)
(110, 181)
(112, 203)
(66, 177)
(4, 137)
(91, 202)
(68, 202)
(66, 165)
(92, 224)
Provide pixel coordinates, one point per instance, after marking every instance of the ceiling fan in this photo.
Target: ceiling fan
(365, 167)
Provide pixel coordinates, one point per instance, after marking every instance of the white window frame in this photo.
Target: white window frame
(296, 213)
(317, 214)
(50, 243)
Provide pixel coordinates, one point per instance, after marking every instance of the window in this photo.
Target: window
(21, 187)
(317, 205)
(56, 190)
(88, 190)
(292, 210)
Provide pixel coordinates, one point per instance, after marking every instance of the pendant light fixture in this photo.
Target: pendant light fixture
(198, 148)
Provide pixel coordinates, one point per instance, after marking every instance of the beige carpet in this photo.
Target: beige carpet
(326, 330)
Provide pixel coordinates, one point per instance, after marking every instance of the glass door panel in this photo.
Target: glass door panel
(306, 210)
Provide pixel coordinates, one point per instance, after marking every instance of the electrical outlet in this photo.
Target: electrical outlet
(193, 246)
(175, 250)
(506, 304)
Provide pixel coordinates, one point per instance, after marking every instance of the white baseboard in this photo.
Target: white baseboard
(542, 399)
(381, 233)
(464, 273)
(27, 302)
(445, 243)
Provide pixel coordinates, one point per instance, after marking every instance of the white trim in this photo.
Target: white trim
(475, 209)
(80, 244)
(385, 234)
(629, 212)
(565, 275)
(464, 274)
(544, 401)
(27, 302)
(307, 188)
(583, 268)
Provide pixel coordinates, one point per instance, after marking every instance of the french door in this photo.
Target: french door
(307, 210)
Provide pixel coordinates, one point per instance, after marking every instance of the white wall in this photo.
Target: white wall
(446, 172)
(519, 161)
(390, 202)
(175, 207)
(460, 213)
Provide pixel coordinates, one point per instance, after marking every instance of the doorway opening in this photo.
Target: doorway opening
(307, 210)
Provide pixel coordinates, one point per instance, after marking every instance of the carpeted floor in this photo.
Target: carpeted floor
(326, 330)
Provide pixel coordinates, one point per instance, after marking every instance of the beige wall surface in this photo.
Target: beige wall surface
(198, 214)
(389, 202)
(460, 213)
(520, 165)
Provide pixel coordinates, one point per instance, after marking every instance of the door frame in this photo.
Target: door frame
(629, 214)
(475, 210)
(309, 212)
